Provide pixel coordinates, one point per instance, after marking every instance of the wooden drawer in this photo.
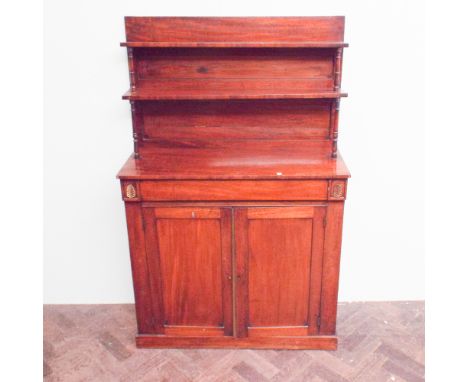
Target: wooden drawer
(233, 190)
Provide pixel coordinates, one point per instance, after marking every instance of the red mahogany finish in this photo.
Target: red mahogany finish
(235, 191)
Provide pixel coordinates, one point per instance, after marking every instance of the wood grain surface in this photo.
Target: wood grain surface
(234, 29)
(268, 160)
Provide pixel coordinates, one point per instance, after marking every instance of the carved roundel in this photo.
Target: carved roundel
(130, 191)
(337, 190)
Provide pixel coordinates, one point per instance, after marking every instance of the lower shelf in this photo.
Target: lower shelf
(293, 343)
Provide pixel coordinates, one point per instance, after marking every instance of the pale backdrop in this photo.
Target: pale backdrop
(88, 137)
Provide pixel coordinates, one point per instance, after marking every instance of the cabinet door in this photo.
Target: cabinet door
(190, 270)
(279, 254)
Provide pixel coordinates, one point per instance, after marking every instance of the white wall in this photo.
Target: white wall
(88, 137)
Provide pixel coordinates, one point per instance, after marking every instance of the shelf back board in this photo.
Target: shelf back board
(221, 69)
(218, 123)
(234, 29)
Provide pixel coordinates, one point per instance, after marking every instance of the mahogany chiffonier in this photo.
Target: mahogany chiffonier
(234, 193)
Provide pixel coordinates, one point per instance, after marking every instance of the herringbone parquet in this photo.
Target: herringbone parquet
(377, 342)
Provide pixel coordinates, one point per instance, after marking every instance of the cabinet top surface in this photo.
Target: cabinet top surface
(269, 161)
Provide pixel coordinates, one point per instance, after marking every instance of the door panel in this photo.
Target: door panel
(190, 264)
(279, 265)
(189, 261)
(279, 271)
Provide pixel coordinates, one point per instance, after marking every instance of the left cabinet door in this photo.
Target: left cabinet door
(189, 261)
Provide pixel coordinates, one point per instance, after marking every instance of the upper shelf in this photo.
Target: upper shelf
(168, 93)
(221, 44)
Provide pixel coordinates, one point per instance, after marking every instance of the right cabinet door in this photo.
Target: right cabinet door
(278, 263)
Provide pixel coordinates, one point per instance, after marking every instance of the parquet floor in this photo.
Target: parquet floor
(381, 341)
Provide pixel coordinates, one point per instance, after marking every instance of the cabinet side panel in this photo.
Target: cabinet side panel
(331, 267)
(141, 285)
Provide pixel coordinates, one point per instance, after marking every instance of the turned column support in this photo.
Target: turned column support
(337, 67)
(334, 132)
(136, 128)
(336, 105)
(131, 69)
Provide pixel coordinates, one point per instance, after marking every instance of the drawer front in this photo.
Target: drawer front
(234, 190)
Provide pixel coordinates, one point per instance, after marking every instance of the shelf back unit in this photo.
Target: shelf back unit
(217, 82)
